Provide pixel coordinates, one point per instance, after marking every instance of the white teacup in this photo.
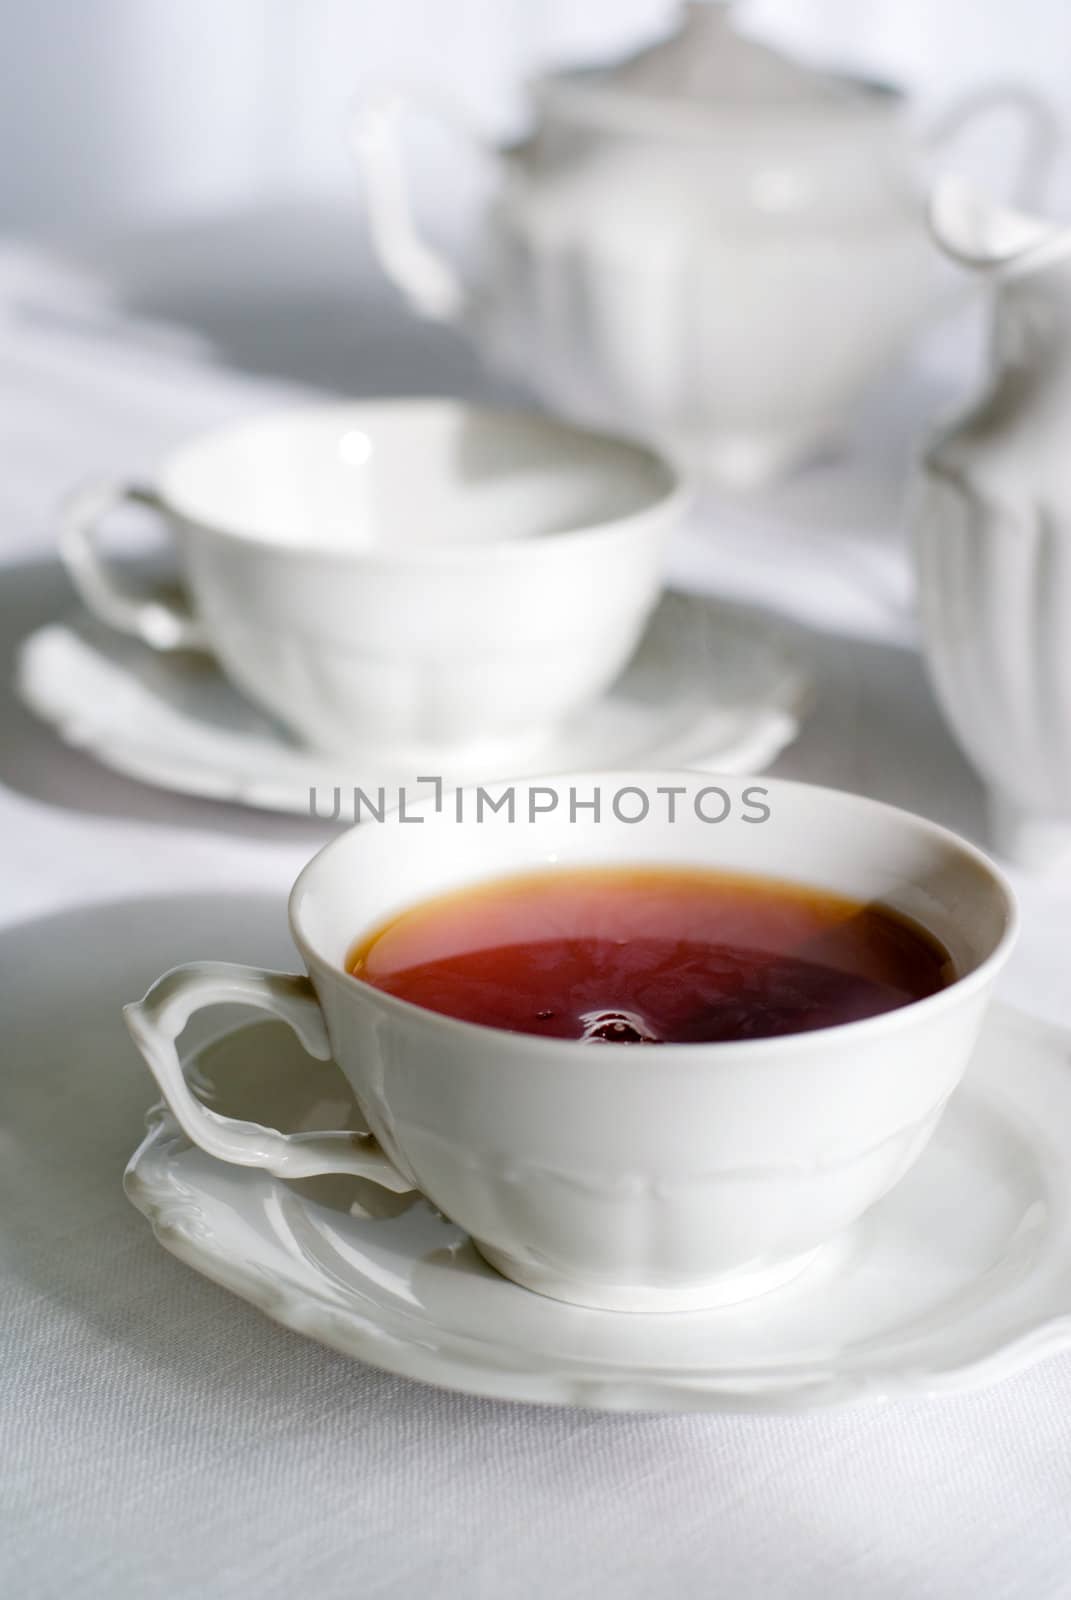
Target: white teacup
(629, 1178)
(417, 574)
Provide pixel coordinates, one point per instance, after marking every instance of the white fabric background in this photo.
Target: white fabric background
(158, 1437)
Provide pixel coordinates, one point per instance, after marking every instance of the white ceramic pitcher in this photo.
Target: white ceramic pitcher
(707, 244)
(993, 531)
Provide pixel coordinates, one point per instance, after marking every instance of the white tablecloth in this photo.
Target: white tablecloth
(159, 1437)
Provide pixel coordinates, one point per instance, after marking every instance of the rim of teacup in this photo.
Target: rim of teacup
(779, 1045)
(671, 490)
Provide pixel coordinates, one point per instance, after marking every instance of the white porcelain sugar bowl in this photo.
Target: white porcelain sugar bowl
(992, 524)
(707, 244)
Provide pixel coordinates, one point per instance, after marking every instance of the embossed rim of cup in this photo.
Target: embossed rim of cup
(978, 977)
(668, 497)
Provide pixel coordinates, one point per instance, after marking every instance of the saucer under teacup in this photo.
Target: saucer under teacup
(709, 687)
(955, 1279)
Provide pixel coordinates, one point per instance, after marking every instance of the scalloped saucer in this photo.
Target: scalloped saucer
(708, 688)
(959, 1277)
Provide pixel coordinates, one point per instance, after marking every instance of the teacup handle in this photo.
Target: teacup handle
(154, 622)
(158, 1020)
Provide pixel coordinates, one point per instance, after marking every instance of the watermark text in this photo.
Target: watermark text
(631, 804)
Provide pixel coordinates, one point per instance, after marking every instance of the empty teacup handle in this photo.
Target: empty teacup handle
(156, 623)
(156, 1023)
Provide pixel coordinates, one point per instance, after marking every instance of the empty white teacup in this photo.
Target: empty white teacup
(418, 574)
(628, 1178)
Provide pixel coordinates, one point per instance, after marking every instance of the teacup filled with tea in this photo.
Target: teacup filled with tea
(652, 1039)
(651, 955)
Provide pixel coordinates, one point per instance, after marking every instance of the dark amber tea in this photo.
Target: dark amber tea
(651, 955)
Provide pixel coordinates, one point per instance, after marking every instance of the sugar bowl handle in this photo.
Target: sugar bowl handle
(154, 622)
(156, 1023)
(1042, 134)
(425, 277)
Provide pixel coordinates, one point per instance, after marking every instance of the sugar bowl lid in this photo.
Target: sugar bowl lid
(704, 71)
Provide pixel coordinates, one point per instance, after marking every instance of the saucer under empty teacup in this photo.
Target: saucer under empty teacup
(708, 687)
(418, 574)
(644, 1176)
